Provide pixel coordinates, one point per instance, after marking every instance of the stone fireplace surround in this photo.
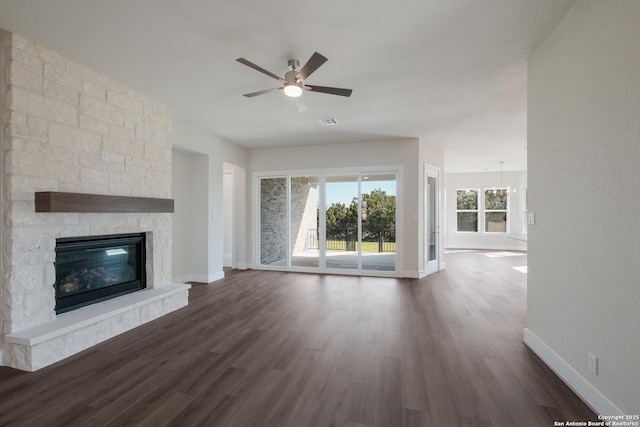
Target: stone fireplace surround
(68, 129)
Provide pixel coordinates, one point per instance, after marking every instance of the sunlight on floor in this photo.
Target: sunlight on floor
(502, 254)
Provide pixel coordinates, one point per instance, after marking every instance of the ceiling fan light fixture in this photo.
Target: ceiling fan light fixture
(292, 90)
(293, 81)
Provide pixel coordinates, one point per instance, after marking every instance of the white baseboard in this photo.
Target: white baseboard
(412, 274)
(583, 388)
(422, 273)
(200, 278)
(514, 247)
(216, 276)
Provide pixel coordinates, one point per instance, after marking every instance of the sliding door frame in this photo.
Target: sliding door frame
(322, 174)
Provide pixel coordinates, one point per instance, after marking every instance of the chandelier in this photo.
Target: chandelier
(503, 191)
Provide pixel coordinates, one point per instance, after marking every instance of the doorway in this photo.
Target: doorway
(432, 219)
(229, 204)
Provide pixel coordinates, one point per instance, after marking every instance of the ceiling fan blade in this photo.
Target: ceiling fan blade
(330, 90)
(259, 68)
(312, 64)
(261, 92)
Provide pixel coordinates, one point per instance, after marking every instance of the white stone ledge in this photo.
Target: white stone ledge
(84, 317)
(34, 348)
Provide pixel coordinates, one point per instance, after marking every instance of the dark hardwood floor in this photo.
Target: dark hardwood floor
(263, 348)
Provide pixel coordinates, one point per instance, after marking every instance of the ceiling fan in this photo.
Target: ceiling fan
(293, 81)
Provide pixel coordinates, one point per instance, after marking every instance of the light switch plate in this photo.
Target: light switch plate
(593, 363)
(531, 218)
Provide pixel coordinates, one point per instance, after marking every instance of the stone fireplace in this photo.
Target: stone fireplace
(70, 131)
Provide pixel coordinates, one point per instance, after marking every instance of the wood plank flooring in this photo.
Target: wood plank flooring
(264, 348)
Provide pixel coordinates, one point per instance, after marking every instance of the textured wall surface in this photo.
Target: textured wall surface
(273, 220)
(583, 180)
(60, 121)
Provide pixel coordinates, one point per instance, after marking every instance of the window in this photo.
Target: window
(495, 210)
(467, 210)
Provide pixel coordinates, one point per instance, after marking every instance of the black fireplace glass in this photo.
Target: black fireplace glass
(93, 269)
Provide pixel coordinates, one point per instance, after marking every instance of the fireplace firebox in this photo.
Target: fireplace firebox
(97, 268)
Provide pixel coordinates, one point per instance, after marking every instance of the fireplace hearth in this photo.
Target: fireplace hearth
(97, 268)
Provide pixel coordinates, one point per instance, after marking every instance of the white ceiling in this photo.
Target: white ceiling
(452, 72)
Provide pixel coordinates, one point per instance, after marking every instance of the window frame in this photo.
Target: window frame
(323, 174)
(477, 210)
(506, 211)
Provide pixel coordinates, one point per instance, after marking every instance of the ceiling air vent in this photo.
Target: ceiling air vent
(328, 122)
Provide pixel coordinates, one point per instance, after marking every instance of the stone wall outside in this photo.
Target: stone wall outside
(273, 220)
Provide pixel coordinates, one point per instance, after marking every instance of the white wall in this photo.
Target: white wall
(481, 181)
(198, 142)
(189, 190)
(403, 153)
(584, 176)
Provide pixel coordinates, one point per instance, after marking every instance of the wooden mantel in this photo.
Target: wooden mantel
(52, 201)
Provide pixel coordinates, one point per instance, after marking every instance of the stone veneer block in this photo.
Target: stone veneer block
(42, 345)
(68, 129)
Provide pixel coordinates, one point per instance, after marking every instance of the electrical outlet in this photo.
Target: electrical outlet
(593, 364)
(128, 160)
(104, 154)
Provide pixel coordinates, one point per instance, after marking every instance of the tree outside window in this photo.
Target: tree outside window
(378, 222)
(467, 210)
(495, 210)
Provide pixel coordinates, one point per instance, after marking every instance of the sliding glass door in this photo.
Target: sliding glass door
(341, 222)
(379, 222)
(328, 222)
(304, 221)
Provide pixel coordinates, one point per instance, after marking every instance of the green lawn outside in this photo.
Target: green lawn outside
(341, 245)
